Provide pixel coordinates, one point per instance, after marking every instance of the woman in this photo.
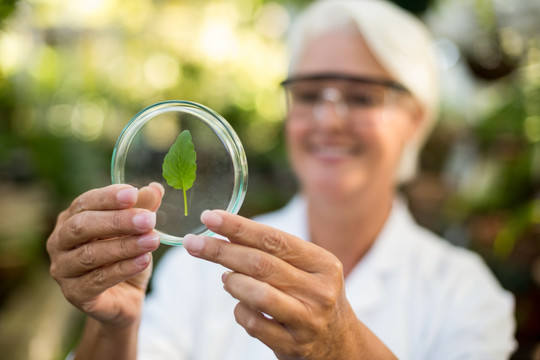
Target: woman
(367, 283)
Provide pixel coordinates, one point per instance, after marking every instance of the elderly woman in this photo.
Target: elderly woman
(342, 272)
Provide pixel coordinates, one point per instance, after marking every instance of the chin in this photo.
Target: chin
(337, 187)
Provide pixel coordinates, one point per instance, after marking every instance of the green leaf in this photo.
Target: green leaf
(179, 167)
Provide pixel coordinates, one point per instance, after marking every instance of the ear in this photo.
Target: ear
(417, 119)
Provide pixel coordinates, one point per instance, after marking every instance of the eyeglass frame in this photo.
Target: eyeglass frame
(378, 81)
(340, 76)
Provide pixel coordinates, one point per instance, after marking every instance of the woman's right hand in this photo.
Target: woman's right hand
(101, 248)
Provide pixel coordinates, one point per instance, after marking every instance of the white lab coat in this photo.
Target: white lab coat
(424, 298)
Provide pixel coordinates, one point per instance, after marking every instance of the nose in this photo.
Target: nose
(331, 108)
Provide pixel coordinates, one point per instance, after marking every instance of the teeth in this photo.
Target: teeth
(332, 151)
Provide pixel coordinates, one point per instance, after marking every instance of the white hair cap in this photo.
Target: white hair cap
(399, 40)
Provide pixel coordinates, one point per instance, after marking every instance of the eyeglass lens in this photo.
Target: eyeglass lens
(350, 99)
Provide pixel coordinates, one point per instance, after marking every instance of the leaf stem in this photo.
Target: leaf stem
(185, 202)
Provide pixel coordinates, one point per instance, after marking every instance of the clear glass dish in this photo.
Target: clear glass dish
(221, 176)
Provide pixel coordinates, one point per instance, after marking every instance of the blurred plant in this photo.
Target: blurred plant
(6, 8)
(73, 73)
(485, 154)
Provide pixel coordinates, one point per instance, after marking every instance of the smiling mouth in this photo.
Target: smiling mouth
(333, 152)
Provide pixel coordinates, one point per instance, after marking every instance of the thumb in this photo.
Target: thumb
(150, 196)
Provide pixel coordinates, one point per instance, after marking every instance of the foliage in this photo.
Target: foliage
(6, 8)
(73, 73)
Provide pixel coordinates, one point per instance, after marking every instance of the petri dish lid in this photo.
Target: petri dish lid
(221, 166)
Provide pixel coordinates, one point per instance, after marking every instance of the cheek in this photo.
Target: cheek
(391, 140)
(291, 132)
(294, 133)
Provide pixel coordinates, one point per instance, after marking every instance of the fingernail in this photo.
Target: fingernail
(143, 259)
(193, 243)
(145, 220)
(211, 219)
(148, 241)
(225, 275)
(127, 196)
(159, 187)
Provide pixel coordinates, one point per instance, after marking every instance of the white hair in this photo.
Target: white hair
(399, 40)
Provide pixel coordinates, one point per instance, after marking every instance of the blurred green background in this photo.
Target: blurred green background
(74, 72)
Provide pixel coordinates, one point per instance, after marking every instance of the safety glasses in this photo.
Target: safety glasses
(360, 99)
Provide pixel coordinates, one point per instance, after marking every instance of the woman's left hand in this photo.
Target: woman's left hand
(291, 292)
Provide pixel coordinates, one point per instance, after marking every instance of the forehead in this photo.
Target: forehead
(339, 52)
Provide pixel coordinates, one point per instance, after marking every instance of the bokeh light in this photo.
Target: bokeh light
(73, 73)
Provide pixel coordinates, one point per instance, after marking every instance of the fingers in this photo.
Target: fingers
(88, 286)
(263, 297)
(149, 197)
(96, 254)
(271, 332)
(299, 285)
(108, 198)
(116, 197)
(89, 225)
(108, 212)
(252, 262)
(104, 240)
(297, 252)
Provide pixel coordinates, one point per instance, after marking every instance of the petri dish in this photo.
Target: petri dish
(221, 176)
